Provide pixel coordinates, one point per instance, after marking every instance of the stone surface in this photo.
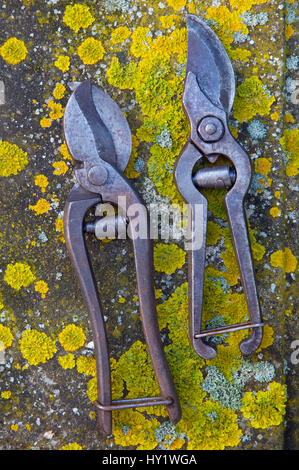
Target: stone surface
(137, 55)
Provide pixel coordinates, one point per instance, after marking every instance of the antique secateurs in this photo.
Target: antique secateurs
(208, 97)
(99, 139)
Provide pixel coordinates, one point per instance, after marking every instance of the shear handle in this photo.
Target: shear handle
(197, 249)
(79, 202)
(117, 192)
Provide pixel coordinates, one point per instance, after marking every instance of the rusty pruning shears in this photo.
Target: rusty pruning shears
(99, 139)
(208, 97)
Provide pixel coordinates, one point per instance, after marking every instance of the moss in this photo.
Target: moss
(290, 145)
(13, 51)
(78, 16)
(251, 99)
(12, 159)
(91, 51)
(168, 258)
(284, 259)
(41, 207)
(6, 337)
(265, 408)
(36, 347)
(18, 275)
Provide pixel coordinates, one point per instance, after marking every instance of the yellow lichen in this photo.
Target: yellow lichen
(59, 91)
(210, 427)
(40, 207)
(86, 365)
(228, 23)
(78, 16)
(60, 168)
(289, 118)
(71, 446)
(91, 51)
(67, 361)
(72, 337)
(120, 34)
(56, 110)
(177, 4)
(6, 395)
(12, 159)
(6, 338)
(13, 51)
(130, 172)
(251, 99)
(284, 259)
(168, 257)
(37, 347)
(275, 211)
(289, 31)
(45, 122)
(245, 5)
(263, 166)
(18, 275)
(64, 152)
(267, 408)
(59, 228)
(290, 145)
(42, 288)
(41, 181)
(14, 427)
(63, 63)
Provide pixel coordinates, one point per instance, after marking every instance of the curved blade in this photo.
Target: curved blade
(208, 60)
(95, 127)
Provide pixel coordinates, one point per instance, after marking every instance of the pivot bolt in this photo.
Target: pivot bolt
(97, 175)
(210, 129)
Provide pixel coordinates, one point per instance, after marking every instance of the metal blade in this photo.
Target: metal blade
(208, 60)
(95, 127)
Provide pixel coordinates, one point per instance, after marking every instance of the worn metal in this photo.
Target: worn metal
(207, 100)
(99, 140)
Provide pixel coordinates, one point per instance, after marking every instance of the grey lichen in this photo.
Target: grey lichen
(164, 139)
(254, 20)
(257, 130)
(214, 323)
(228, 394)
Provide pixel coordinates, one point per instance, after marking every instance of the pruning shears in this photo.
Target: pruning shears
(99, 139)
(208, 96)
